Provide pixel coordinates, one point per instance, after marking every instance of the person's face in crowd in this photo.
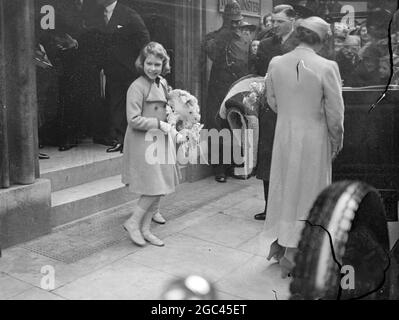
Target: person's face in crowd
(153, 66)
(364, 35)
(235, 24)
(338, 44)
(269, 22)
(254, 46)
(282, 24)
(246, 33)
(370, 63)
(350, 51)
(363, 31)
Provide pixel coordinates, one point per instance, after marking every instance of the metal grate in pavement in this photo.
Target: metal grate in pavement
(73, 242)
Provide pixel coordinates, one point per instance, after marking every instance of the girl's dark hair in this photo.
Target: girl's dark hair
(307, 36)
(156, 49)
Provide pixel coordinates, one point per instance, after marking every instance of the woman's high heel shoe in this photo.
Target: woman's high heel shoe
(286, 267)
(276, 251)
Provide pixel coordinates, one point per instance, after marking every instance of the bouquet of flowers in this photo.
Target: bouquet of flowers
(183, 114)
(254, 97)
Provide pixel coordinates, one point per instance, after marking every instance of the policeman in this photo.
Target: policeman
(228, 50)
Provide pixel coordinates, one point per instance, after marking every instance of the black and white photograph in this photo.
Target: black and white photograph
(217, 151)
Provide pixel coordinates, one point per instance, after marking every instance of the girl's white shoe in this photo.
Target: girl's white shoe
(158, 218)
(135, 234)
(153, 239)
(132, 226)
(147, 234)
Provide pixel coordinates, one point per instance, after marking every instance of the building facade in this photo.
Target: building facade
(26, 208)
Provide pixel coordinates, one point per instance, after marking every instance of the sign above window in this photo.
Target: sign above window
(248, 7)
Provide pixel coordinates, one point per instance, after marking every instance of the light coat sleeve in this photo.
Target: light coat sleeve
(334, 105)
(270, 93)
(134, 110)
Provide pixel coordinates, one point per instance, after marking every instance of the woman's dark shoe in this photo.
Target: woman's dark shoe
(221, 178)
(260, 216)
(43, 156)
(66, 147)
(276, 251)
(116, 148)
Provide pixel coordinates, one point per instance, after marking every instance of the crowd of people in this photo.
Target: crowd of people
(300, 120)
(364, 58)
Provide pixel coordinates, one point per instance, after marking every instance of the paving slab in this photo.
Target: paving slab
(36, 294)
(184, 255)
(10, 287)
(122, 280)
(225, 230)
(256, 279)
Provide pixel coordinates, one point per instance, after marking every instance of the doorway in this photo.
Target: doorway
(160, 19)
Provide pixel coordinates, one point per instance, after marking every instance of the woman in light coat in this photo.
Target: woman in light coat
(306, 92)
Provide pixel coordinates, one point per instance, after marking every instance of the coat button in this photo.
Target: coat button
(156, 108)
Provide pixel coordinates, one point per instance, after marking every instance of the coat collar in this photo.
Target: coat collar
(157, 91)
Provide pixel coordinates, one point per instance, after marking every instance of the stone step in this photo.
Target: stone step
(86, 199)
(80, 166)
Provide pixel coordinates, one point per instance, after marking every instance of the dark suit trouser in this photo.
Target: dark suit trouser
(115, 95)
(68, 111)
(219, 84)
(267, 125)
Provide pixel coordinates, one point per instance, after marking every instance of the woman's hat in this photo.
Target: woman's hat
(317, 25)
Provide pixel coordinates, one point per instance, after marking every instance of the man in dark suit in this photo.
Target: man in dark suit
(71, 48)
(125, 34)
(280, 43)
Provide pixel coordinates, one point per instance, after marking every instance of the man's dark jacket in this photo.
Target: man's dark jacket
(268, 49)
(271, 47)
(123, 38)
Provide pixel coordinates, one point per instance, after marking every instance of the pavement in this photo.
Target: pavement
(210, 232)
